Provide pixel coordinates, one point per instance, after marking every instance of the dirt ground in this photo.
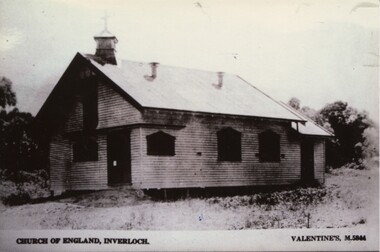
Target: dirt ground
(348, 198)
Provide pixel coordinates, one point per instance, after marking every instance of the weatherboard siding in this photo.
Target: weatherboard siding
(114, 110)
(196, 164)
(91, 175)
(60, 162)
(136, 149)
(319, 160)
(74, 120)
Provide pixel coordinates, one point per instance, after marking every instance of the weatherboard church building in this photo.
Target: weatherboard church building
(153, 126)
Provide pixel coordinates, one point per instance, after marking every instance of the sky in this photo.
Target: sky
(318, 51)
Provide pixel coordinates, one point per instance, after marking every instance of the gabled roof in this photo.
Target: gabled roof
(183, 89)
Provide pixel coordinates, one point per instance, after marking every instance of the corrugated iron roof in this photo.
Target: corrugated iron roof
(312, 129)
(309, 127)
(192, 90)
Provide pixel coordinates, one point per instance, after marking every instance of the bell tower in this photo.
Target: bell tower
(106, 44)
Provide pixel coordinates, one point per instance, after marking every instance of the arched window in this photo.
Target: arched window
(269, 146)
(85, 148)
(161, 144)
(229, 145)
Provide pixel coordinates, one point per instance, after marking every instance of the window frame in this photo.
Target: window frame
(85, 149)
(269, 147)
(227, 139)
(160, 144)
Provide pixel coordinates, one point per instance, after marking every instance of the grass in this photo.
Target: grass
(349, 198)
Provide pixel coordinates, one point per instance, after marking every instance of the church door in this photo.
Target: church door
(119, 157)
(307, 160)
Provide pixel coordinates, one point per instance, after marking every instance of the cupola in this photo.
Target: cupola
(105, 45)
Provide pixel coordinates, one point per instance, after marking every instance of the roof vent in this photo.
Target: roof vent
(220, 80)
(153, 75)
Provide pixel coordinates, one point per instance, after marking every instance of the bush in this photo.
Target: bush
(23, 145)
(20, 187)
(268, 199)
(359, 165)
(293, 198)
(40, 177)
(349, 126)
(16, 199)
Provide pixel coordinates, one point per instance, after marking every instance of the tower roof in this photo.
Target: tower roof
(105, 34)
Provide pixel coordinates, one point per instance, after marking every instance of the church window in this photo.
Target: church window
(229, 145)
(269, 146)
(160, 144)
(85, 148)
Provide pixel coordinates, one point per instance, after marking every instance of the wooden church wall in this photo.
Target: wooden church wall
(196, 164)
(319, 160)
(60, 163)
(113, 110)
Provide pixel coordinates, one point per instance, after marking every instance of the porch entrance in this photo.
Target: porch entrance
(307, 160)
(119, 157)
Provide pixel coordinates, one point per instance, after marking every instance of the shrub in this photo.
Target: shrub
(16, 199)
(349, 127)
(267, 199)
(20, 187)
(355, 165)
(291, 198)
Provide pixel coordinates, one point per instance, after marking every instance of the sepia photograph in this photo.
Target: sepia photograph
(189, 125)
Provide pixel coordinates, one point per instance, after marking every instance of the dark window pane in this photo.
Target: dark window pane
(85, 148)
(161, 144)
(269, 146)
(90, 104)
(229, 145)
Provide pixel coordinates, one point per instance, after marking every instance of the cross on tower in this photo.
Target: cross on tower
(105, 18)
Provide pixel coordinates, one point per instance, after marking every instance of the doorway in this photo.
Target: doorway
(307, 160)
(119, 157)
